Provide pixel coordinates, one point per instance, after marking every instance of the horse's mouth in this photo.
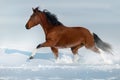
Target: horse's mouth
(27, 27)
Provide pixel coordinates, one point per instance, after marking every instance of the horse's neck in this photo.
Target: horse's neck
(46, 26)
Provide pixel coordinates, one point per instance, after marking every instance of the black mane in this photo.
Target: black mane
(52, 18)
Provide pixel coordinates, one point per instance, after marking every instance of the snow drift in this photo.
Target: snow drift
(14, 65)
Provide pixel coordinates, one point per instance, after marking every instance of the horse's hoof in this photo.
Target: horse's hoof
(76, 58)
(31, 57)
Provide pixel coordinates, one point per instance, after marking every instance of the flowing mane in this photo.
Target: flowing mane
(52, 18)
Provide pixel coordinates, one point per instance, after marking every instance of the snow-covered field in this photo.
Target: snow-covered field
(99, 16)
(14, 65)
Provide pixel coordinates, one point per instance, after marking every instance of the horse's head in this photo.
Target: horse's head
(34, 19)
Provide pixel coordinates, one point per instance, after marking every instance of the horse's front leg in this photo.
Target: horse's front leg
(33, 53)
(35, 50)
(55, 52)
(49, 43)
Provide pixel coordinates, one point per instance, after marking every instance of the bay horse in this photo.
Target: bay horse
(60, 36)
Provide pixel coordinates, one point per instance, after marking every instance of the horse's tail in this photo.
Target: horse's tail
(102, 45)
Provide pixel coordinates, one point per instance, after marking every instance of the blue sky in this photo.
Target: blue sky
(101, 17)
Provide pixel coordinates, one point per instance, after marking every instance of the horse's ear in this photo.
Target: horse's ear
(37, 8)
(33, 10)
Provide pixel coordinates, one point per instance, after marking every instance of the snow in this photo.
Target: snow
(92, 14)
(14, 65)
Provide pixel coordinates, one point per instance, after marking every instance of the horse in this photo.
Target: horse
(58, 35)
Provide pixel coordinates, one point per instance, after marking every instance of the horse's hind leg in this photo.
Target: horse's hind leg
(55, 51)
(95, 49)
(75, 52)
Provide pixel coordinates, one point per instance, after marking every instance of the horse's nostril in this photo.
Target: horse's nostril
(26, 26)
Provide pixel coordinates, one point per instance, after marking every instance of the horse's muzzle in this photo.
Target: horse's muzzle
(27, 26)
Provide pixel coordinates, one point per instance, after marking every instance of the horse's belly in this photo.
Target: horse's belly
(67, 44)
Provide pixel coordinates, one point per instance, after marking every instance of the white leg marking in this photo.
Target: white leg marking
(105, 60)
(34, 52)
(57, 60)
(76, 58)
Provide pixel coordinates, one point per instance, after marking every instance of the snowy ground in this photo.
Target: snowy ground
(99, 16)
(15, 66)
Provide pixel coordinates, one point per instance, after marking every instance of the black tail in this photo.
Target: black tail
(102, 45)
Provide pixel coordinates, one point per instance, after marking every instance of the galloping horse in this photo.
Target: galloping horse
(60, 36)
